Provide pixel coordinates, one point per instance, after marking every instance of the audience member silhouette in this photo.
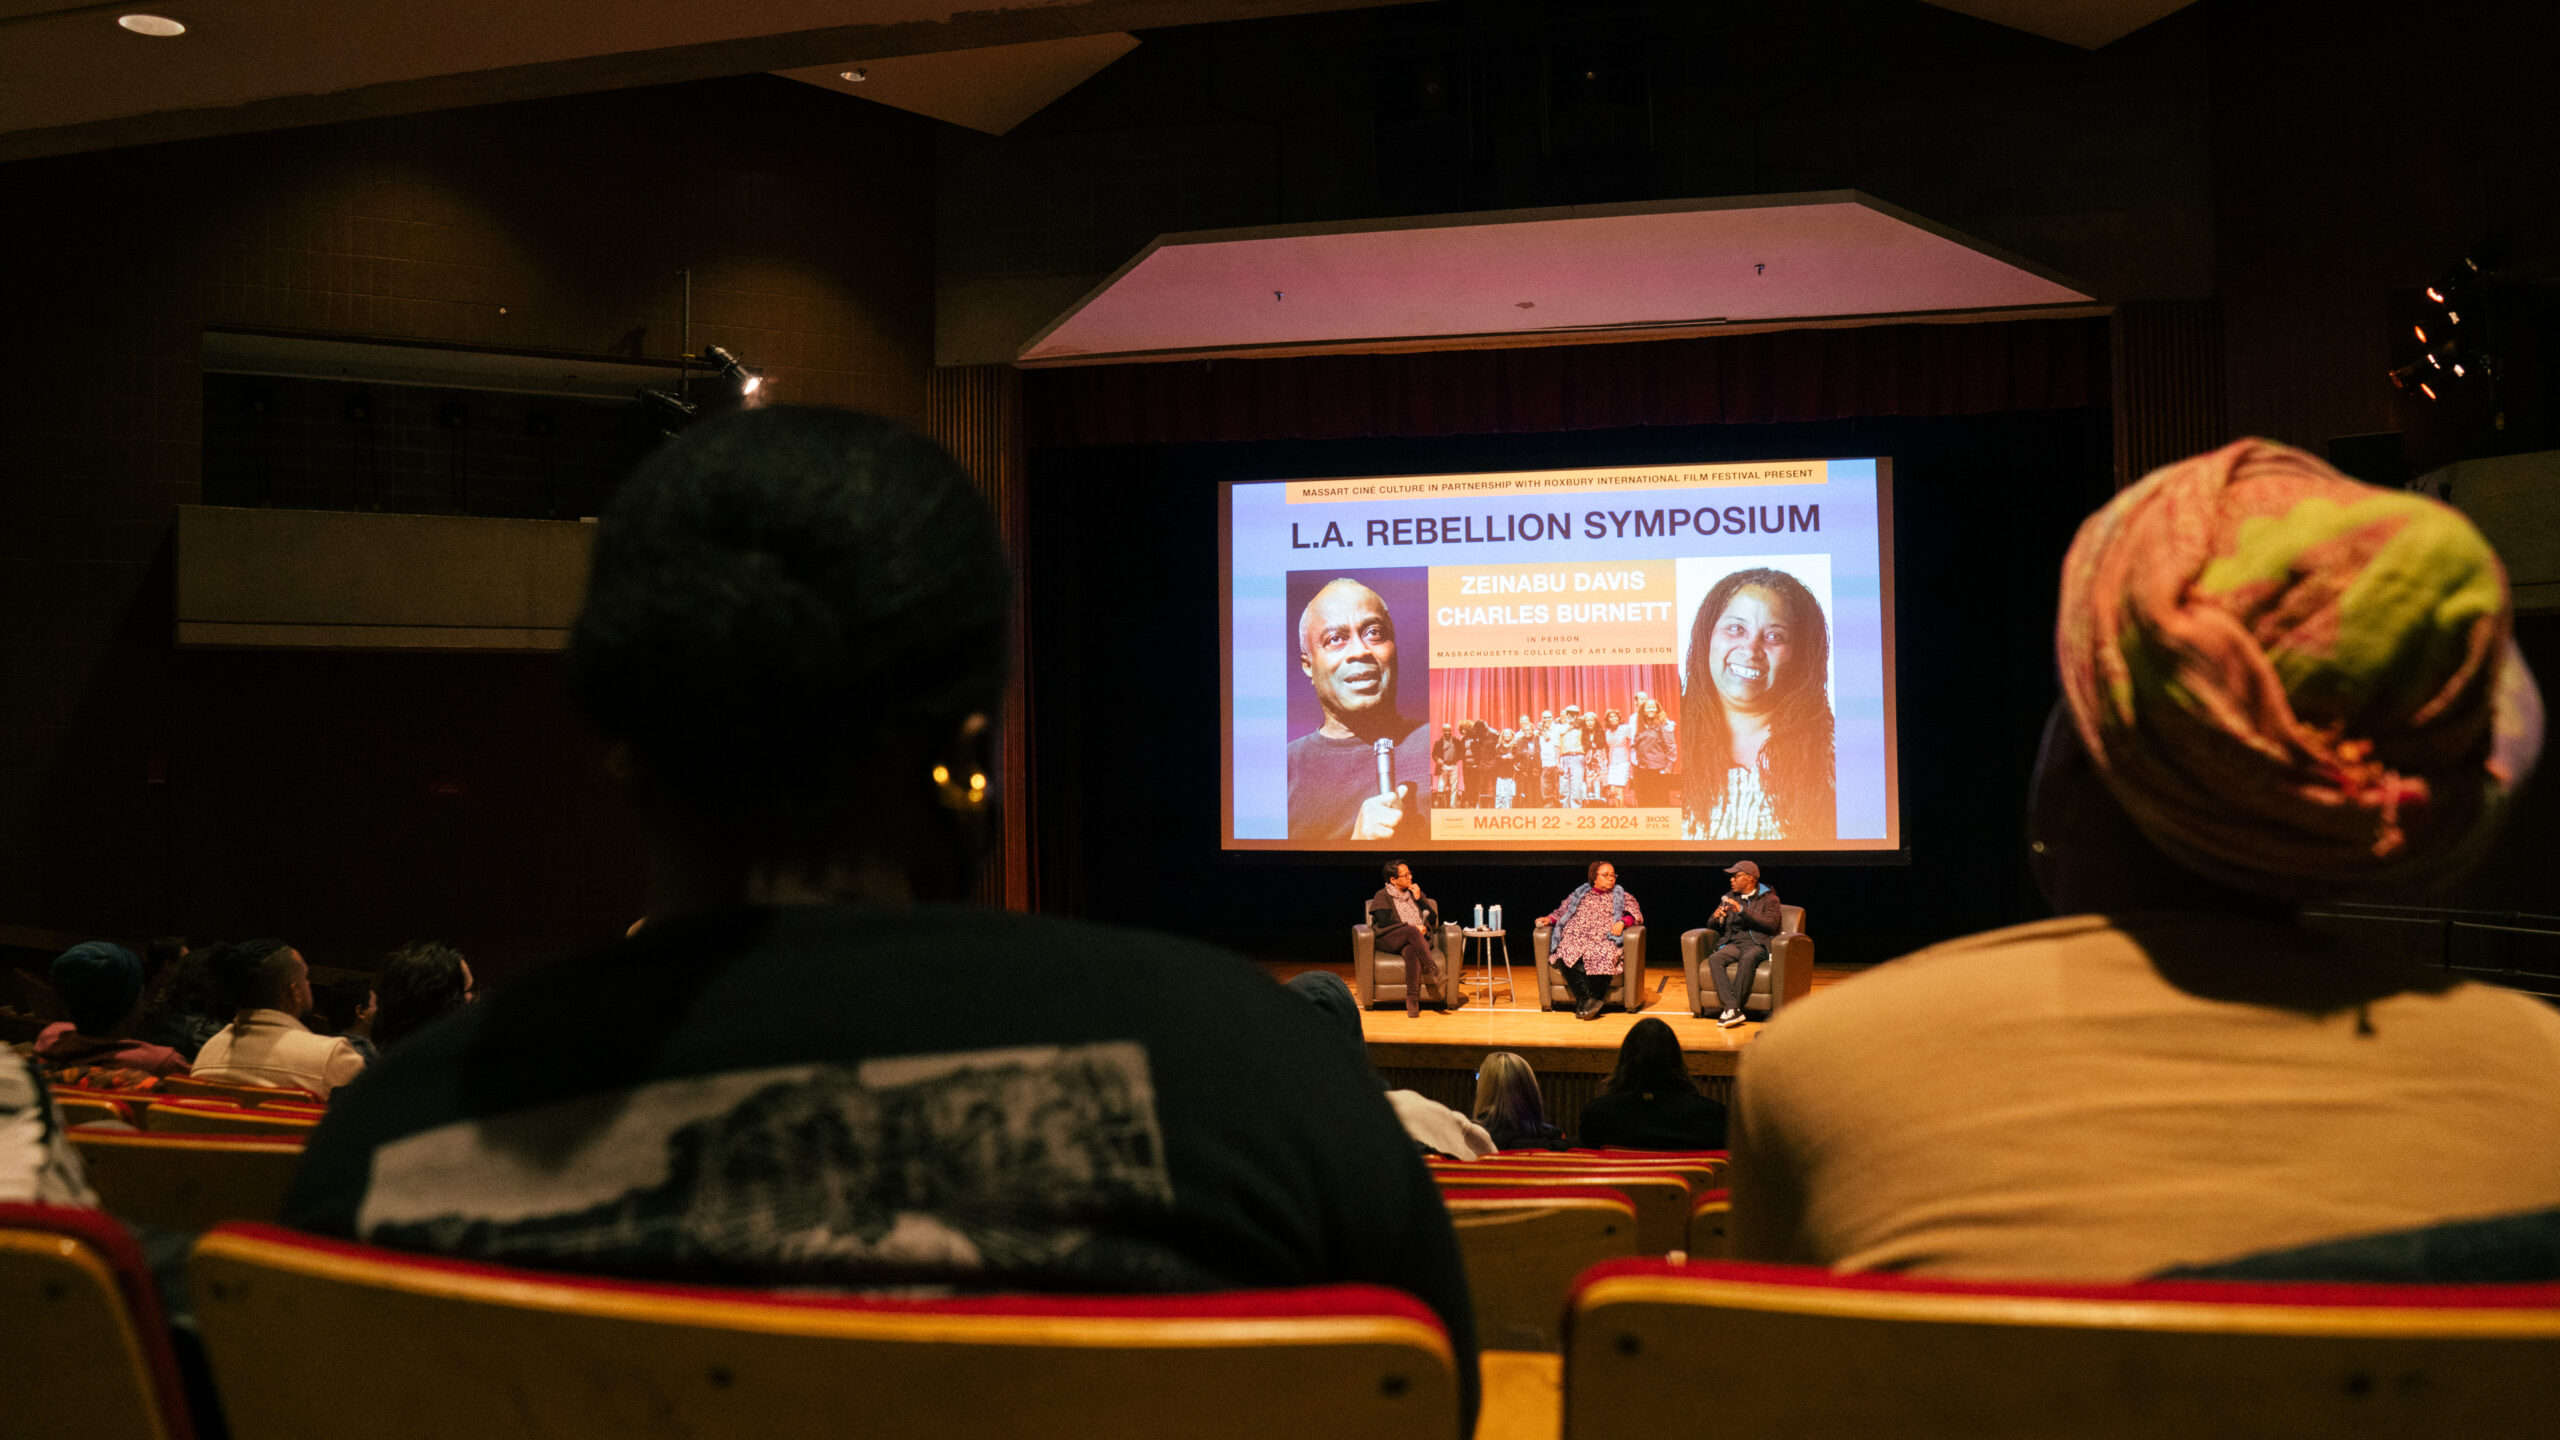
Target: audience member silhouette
(815, 1065)
(1650, 1103)
(2279, 685)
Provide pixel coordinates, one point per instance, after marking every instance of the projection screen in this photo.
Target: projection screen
(1684, 657)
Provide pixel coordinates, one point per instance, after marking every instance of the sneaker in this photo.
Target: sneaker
(1729, 1019)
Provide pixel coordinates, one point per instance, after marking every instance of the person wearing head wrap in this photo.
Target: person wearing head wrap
(2278, 685)
(101, 985)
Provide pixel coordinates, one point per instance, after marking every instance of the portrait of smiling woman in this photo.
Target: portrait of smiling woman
(1755, 713)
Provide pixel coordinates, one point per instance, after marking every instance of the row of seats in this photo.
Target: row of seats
(1530, 1221)
(450, 1348)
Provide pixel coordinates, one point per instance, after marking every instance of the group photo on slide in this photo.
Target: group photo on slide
(1556, 738)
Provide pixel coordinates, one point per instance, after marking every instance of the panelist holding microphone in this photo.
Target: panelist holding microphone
(1408, 923)
(1365, 774)
(1744, 920)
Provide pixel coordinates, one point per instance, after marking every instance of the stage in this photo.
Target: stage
(1437, 1053)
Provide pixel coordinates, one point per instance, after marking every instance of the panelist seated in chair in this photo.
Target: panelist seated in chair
(1589, 936)
(1407, 922)
(817, 1065)
(1743, 920)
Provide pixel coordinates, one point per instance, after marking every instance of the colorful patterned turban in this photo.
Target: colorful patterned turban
(2301, 683)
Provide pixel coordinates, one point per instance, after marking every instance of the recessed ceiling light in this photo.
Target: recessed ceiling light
(160, 25)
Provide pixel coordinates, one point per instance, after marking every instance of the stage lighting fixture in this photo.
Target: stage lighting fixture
(2427, 390)
(668, 412)
(2422, 333)
(2435, 294)
(748, 381)
(157, 26)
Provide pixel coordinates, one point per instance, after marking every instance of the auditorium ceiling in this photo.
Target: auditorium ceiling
(1569, 274)
(72, 79)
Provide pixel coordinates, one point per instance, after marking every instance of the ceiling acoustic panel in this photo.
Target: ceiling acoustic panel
(1567, 274)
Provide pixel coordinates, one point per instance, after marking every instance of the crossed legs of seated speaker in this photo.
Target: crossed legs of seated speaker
(1421, 967)
(1730, 968)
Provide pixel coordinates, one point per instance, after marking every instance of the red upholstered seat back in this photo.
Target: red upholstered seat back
(1925, 1358)
(87, 1352)
(460, 1348)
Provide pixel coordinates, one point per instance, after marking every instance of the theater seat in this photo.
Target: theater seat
(1710, 1225)
(1876, 1355)
(1378, 978)
(1662, 1197)
(454, 1349)
(249, 1095)
(1524, 1245)
(1703, 1170)
(221, 1117)
(187, 1182)
(1786, 975)
(80, 1107)
(87, 1353)
(1626, 990)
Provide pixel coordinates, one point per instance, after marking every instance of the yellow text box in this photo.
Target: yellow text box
(1554, 828)
(1602, 612)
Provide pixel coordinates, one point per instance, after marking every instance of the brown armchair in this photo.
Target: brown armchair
(1379, 979)
(1626, 991)
(1786, 975)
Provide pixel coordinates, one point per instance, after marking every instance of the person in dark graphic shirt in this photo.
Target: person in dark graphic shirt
(794, 638)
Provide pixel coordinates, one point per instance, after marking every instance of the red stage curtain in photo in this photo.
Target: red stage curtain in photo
(1500, 697)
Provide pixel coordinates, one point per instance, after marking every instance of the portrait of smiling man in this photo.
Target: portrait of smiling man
(1347, 651)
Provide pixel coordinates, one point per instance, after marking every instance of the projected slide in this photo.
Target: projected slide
(1667, 657)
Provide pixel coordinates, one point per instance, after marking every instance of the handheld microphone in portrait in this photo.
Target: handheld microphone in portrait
(1386, 766)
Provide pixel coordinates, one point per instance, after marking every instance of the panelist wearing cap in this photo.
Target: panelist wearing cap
(1744, 921)
(1347, 647)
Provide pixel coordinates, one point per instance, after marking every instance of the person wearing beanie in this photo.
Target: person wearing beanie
(101, 984)
(2279, 686)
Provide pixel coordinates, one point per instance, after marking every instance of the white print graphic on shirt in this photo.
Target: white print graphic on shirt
(984, 1160)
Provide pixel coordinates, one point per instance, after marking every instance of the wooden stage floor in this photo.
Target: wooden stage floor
(1437, 1053)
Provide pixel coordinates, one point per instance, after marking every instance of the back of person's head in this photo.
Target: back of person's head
(339, 1003)
(1333, 1000)
(100, 984)
(420, 983)
(260, 974)
(188, 986)
(1649, 1059)
(1507, 1097)
(2290, 683)
(791, 617)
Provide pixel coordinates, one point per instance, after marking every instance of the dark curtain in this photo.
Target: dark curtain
(1775, 377)
(1500, 697)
